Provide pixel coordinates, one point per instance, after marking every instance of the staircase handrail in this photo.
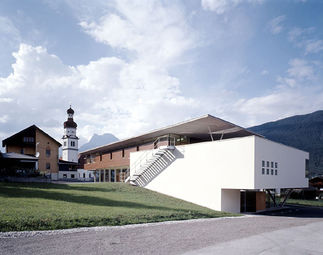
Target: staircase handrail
(155, 145)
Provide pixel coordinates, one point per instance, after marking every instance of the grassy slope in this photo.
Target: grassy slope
(52, 206)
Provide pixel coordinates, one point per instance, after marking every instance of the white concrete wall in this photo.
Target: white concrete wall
(230, 200)
(202, 170)
(290, 169)
(68, 174)
(211, 174)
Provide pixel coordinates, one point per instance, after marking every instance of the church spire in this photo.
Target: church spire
(70, 140)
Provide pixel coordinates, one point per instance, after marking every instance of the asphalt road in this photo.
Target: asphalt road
(249, 234)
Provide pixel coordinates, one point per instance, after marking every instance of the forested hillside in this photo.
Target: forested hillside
(304, 132)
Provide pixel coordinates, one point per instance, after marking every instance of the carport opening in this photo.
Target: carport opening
(252, 201)
(255, 200)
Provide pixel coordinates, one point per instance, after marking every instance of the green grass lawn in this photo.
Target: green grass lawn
(31, 206)
(304, 202)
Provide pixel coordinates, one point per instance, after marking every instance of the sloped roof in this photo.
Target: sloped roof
(26, 129)
(199, 128)
(13, 155)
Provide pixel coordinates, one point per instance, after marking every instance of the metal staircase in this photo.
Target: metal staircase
(152, 162)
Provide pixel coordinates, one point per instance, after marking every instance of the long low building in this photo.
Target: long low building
(206, 160)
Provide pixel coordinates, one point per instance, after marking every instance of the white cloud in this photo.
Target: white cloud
(7, 27)
(108, 95)
(275, 25)
(264, 72)
(4, 118)
(295, 33)
(280, 103)
(313, 46)
(299, 37)
(287, 81)
(5, 100)
(300, 69)
(298, 74)
(161, 37)
(222, 6)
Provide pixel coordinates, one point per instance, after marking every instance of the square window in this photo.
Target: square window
(263, 171)
(272, 171)
(276, 172)
(276, 165)
(267, 171)
(263, 163)
(267, 163)
(72, 176)
(64, 175)
(272, 164)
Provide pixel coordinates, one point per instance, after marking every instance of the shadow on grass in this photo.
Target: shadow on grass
(108, 187)
(39, 191)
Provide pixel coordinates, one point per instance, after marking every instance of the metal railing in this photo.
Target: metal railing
(165, 140)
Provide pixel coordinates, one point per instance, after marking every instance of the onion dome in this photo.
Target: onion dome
(70, 111)
(70, 123)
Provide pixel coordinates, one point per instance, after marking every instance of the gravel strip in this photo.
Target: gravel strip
(22, 234)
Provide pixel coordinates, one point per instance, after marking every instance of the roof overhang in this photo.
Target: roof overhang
(19, 157)
(70, 163)
(206, 127)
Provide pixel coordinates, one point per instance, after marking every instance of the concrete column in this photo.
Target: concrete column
(109, 174)
(99, 175)
(94, 176)
(104, 175)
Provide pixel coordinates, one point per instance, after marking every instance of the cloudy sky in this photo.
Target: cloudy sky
(128, 67)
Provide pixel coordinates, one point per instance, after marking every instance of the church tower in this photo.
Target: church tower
(70, 140)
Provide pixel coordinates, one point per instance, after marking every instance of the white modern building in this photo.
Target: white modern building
(206, 161)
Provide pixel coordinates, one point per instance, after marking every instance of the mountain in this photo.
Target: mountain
(304, 132)
(98, 140)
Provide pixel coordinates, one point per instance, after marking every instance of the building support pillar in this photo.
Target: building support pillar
(289, 192)
(99, 175)
(272, 197)
(104, 176)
